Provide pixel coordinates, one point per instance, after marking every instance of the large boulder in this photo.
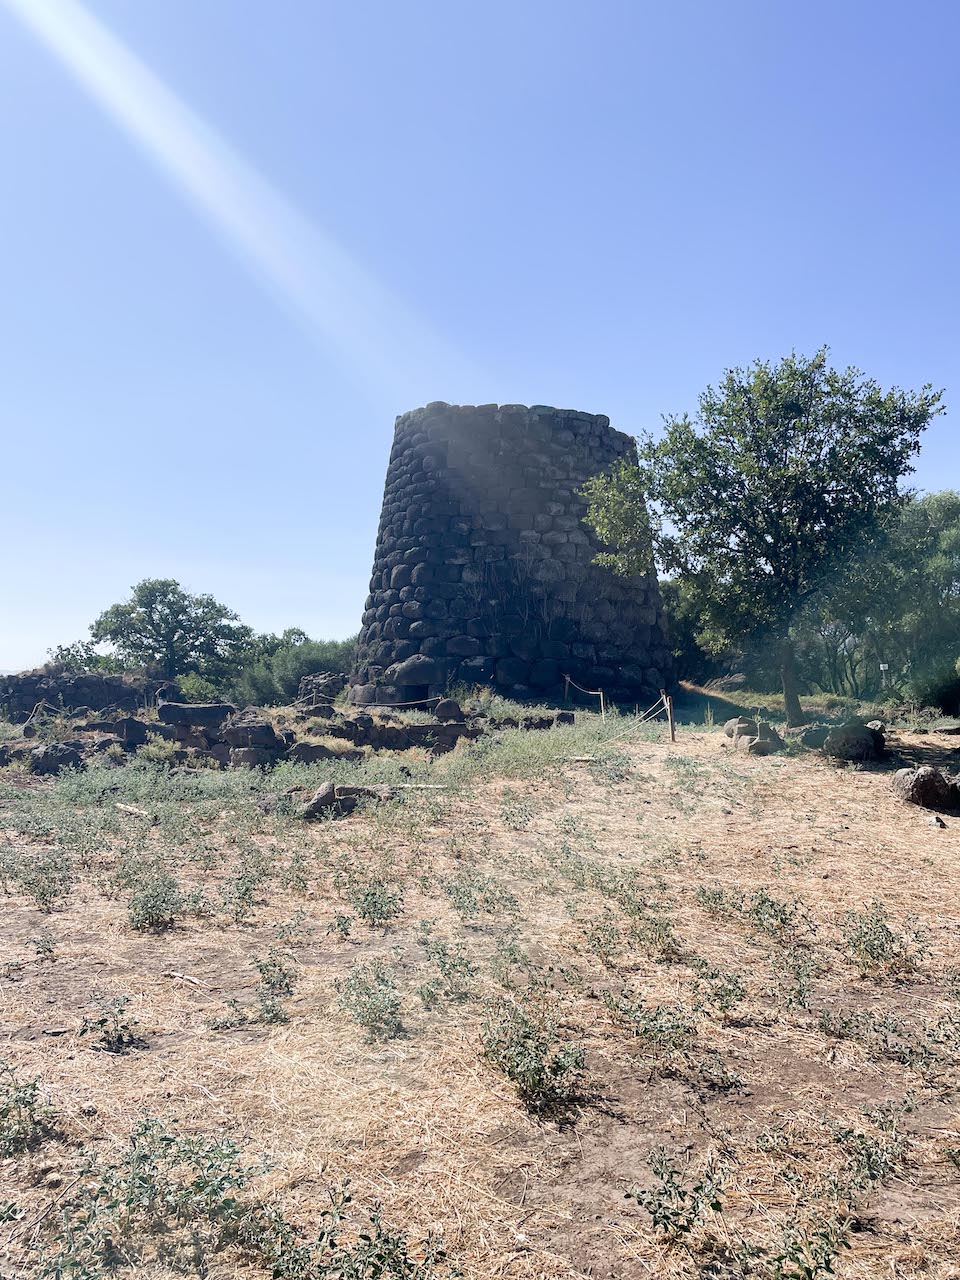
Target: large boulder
(251, 728)
(199, 715)
(54, 756)
(448, 709)
(251, 757)
(854, 741)
(415, 671)
(813, 736)
(927, 787)
(311, 752)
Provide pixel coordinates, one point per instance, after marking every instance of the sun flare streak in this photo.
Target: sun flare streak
(375, 335)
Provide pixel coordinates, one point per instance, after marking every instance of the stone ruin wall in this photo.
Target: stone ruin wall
(484, 568)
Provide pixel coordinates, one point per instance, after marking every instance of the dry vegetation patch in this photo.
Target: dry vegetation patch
(579, 1003)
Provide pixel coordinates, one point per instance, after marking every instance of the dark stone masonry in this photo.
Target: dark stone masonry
(484, 568)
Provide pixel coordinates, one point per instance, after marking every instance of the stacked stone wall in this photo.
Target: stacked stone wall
(484, 569)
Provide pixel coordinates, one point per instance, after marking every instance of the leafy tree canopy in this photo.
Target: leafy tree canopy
(787, 471)
(164, 628)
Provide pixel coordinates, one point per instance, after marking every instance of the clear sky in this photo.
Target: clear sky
(237, 237)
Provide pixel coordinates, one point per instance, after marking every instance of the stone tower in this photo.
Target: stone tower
(484, 568)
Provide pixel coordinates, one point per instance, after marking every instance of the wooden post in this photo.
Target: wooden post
(603, 709)
(670, 720)
(566, 688)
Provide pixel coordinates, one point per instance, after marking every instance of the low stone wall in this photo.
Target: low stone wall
(70, 690)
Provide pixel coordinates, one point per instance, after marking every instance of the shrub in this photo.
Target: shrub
(25, 1117)
(158, 750)
(876, 946)
(677, 1209)
(156, 902)
(109, 1026)
(369, 994)
(546, 1072)
(277, 978)
(377, 905)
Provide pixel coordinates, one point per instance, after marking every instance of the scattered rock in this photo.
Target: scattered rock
(927, 787)
(448, 709)
(320, 687)
(854, 741)
(331, 800)
(65, 691)
(54, 756)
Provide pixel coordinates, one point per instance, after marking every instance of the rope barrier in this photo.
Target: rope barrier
(593, 693)
(321, 701)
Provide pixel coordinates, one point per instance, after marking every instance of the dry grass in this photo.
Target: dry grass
(575, 874)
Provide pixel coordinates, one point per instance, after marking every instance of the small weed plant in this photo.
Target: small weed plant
(369, 995)
(25, 1116)
(110, 1028)
(676, 1205)
(877, 947)
(547, 1071)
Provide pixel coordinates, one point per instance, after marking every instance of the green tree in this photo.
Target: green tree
(788, 470)
(83, 655)
(280, 662)
(164, 628)
(897, 603)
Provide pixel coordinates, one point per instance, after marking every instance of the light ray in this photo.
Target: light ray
(374, 334)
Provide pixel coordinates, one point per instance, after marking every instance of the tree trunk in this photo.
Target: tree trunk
(788, 674)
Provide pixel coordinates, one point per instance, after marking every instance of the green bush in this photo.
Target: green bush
(369, 994)
(273, 676)
(547, 1072)
(156, 902)
(25, 1118)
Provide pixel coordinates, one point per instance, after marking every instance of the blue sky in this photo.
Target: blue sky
(238, 237)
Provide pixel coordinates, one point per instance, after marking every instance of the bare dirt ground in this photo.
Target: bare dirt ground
(758, 959)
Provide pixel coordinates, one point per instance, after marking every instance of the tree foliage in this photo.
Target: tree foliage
(279, 663)
(787, 471)
(167, 630)
(897, 604)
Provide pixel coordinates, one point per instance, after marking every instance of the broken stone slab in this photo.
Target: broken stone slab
(200, 715)
(331, 800)
(928, 787)
(741, 727)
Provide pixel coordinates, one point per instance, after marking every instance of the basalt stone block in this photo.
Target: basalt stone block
(200, 715)
(416, 670)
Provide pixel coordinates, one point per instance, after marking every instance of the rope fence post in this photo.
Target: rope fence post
(593, 693)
